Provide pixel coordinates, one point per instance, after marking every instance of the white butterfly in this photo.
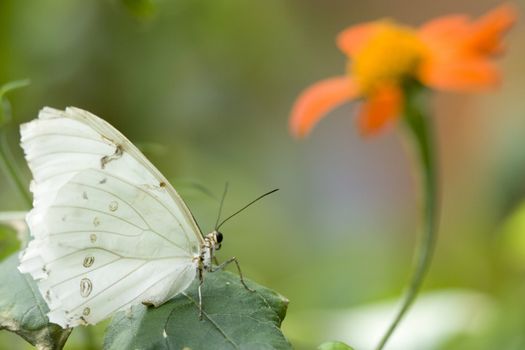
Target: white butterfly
(109, 230)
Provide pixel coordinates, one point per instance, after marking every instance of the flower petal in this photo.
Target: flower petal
(459, 50)
(381, 107)
(317, 100)
(461, 74)
(352, 39)
(488, 30)
(444, 28)
(456, 35)
(445, 36)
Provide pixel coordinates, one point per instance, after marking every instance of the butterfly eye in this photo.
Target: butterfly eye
(219, 237)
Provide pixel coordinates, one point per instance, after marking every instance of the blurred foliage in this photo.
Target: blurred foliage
(212, 82)
(513, 238)
(142, 9)
(9, 243)
(334, 346)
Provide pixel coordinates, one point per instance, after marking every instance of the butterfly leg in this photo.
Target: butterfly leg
(229, 261)
(201, 281)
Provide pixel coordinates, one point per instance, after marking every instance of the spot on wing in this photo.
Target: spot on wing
(113, 206)
(88, 261)
(93, 238)
(96, 221)
(86, 311)
(150, 187)
(116, 155)
(83, 320)
(84, 195)
(85, 287)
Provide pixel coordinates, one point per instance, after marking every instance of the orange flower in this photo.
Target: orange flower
(449, 53)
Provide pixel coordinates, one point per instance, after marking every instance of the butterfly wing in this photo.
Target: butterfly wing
(109, 230)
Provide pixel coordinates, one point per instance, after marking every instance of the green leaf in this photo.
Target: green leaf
(8, 241)
(334, 345)
(5, 109)
(14, 232)
(23, 311)
(233, 318)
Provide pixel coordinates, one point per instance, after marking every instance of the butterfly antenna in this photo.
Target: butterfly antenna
(220, 206)
(246, 206)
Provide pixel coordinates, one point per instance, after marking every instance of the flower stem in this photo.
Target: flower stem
(418, 124)
(7, 164)
(6, 160)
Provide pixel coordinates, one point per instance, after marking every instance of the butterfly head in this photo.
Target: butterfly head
(215, 238)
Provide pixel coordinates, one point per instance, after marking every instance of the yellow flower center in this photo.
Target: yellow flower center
(392, 54)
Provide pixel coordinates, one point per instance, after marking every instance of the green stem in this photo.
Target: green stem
(418, 123)
(6, 160)
(10, 169)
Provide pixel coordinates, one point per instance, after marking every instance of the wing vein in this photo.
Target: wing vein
(145, 290)
(85, 272)
(152, 196)
(114, 252)
(111, 262)
(70, 152)
(111, 285)
(95, 231)
(136, 212)
(34, 137)
(64, 206)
